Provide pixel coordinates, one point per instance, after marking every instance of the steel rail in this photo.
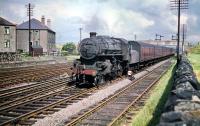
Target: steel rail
(27, 77)
(47, 107)
(75, 120)
(15, 104)
(32, 74)
(70, 99)
(32, 96)
(21, 88)
(43, 69)
(138, 98)
(31, 88)
(18, 69)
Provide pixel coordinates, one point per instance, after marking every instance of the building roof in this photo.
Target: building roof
(35, 24)
(5, 22)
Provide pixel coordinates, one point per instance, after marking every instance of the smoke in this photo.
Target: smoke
(96, 24)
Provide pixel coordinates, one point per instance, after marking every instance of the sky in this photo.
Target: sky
(118, 18)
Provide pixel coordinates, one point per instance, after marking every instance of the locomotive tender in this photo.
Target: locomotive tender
(104, 58)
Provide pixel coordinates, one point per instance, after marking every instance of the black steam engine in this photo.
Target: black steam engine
(104, 58)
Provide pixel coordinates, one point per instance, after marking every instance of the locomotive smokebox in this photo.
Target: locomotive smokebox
(93, 34)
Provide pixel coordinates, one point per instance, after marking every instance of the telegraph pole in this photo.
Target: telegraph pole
(160, 38)
(80, 30)
(135, 36)
(174, 37)
(179, 4)
(184, 34)
(29, 14)
(178, 37)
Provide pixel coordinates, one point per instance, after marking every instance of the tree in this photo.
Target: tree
(70, 47)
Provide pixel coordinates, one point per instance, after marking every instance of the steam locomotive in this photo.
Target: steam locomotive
(103, 58)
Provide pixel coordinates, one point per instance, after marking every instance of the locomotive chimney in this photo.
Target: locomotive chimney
(93, 34)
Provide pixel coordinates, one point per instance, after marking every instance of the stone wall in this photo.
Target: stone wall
(183, 105)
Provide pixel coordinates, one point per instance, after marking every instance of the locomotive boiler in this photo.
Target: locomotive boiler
(101, 58)
(104, 58)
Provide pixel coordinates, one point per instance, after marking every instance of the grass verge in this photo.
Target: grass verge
(195, 61)
(72, 57)
(149, 115)
(195, 49)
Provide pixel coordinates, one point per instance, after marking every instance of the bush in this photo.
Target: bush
(64, 53)
(24, 54)
(69, 47)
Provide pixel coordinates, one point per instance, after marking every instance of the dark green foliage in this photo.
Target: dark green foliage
(70, 47)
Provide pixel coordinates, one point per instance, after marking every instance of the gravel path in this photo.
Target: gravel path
(58, 118)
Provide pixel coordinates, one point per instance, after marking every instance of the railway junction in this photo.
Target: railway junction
(111, 83)
(54, 101)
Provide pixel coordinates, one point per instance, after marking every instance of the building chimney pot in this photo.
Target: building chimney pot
(49, 23)
(43, 19)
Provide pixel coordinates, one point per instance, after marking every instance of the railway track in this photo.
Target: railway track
(7, 71)
(108, 111)
(13, 96)
(38, 107)
(24, 105)
(28, 74)
(26, 109)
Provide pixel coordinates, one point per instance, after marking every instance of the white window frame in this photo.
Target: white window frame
(7, 30)
(7, 44)
(37, 43)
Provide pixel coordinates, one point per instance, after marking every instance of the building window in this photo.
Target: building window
(36, 43)
(7, 44)
(7, 30)
(49, 45)
(36, 33)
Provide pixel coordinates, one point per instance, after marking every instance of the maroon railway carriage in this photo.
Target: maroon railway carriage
(144, 54)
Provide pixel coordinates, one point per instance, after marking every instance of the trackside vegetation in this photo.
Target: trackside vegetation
(194, 57)
(149, 115)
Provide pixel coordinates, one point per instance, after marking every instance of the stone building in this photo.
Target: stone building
(7, 36)
(41, 36)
